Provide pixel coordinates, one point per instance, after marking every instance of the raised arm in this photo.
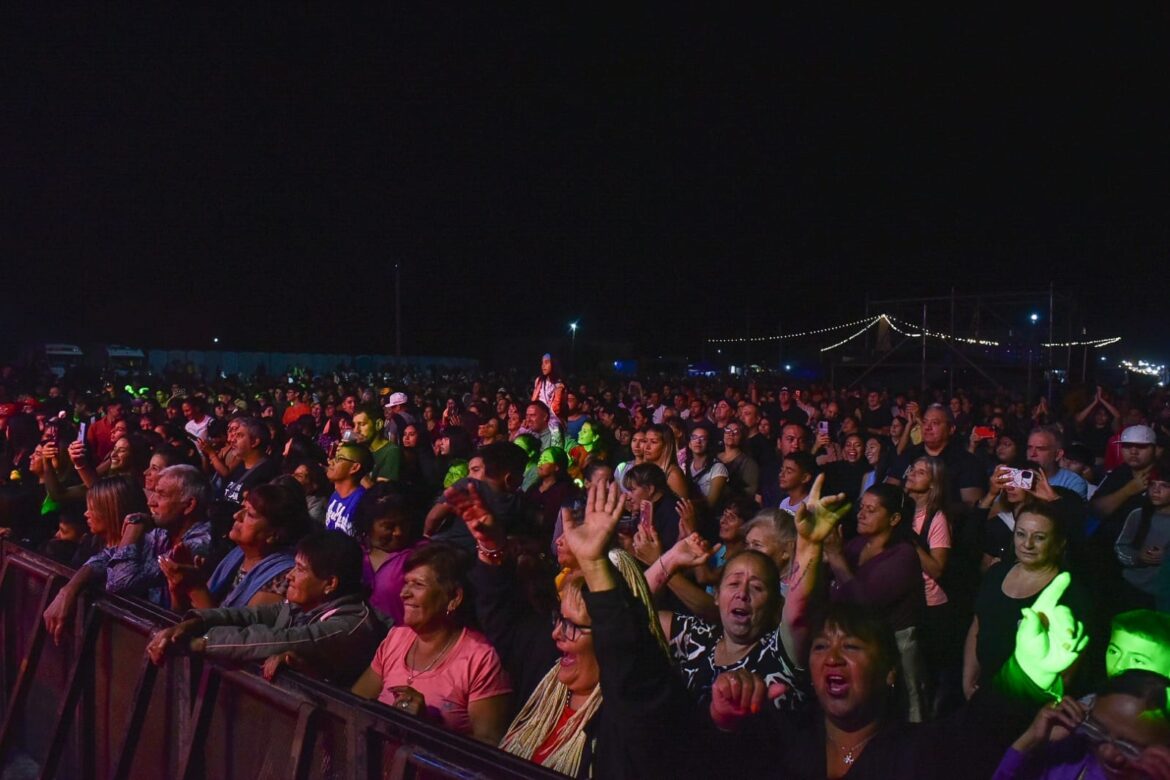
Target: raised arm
(816, 519)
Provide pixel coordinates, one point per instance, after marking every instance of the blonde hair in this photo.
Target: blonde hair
(544, 707)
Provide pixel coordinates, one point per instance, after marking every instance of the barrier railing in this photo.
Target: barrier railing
(95, 707)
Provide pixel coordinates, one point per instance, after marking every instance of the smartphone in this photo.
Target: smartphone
(81, 431)
(984, 432)
(1021, 478)
(823, 427)
(645, 511)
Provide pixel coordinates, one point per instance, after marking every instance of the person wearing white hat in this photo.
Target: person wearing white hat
(1124, 488)
(397, 418)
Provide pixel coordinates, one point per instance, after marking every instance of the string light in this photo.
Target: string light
(1142, 367)
(1094, 343)
(899, 330)
(945, 337)
(783, 336)
(869, 322)
(872, 322)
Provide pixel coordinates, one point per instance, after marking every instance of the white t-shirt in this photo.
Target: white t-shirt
(198, 429)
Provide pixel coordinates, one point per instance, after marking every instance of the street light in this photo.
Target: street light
(573, 348)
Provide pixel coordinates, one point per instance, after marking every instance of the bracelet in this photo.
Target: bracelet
(493, 555)
(662, 565)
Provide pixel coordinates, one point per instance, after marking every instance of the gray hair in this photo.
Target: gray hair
(192, 483)
(779, 522)
(1051, 431)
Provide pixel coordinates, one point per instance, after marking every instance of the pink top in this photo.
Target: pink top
(469, 672)
(940, 536)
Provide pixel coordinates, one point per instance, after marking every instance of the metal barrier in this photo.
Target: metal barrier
(95, 707)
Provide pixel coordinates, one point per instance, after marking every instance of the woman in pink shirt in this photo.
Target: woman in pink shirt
(431, 666)
(926, 485)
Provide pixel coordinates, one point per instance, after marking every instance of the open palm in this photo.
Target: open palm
(589, 539)
(819, 515)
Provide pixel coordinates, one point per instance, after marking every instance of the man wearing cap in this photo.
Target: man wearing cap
(370, 431)
(397, 418)
(1124, 489)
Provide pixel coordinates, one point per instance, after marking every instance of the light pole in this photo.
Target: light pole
(1034, 317)
(573, 347)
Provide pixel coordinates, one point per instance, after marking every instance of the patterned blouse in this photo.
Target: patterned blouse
(692, 645)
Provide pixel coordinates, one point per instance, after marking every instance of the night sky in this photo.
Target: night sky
(170, 176)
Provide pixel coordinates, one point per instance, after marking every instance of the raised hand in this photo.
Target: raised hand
(481, 524)
(1049, 638)
(738, 695)
(819, 515)
(1041, 487)
(1054, 722)
(647, 544)
(999, 480)
(686, 517)
(693, 550)
(589, 539)
(77, 453)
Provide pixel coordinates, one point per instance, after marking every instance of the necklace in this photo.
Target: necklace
(847, 756)
(411, 672)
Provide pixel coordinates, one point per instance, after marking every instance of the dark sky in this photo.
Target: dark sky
(663, 177)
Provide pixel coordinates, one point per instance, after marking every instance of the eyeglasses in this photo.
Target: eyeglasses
(732, 431)
(697, 437)
(338, 457)
(571, 630)
(1092, 730)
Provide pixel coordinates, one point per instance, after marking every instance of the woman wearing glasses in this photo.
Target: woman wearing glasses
(743, 471)
(601, 699)
(706, 472)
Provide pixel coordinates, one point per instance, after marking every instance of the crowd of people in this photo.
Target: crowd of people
(625, 579)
